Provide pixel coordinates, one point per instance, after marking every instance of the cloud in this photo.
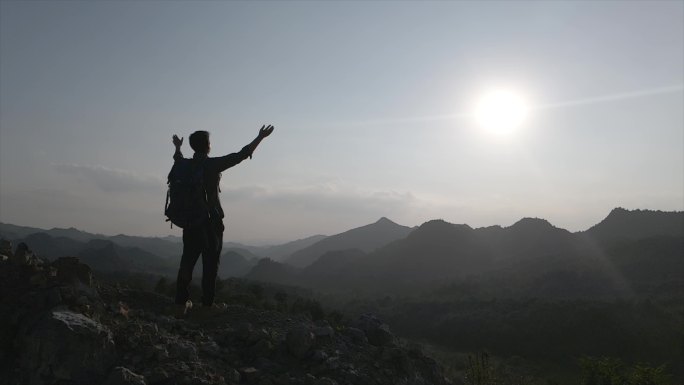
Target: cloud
(111, 180)
(325, 198)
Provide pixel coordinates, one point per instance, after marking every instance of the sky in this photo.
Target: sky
(372, 104)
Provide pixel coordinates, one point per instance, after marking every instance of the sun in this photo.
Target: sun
(501, 111)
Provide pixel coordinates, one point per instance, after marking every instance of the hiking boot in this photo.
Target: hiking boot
(180, 311)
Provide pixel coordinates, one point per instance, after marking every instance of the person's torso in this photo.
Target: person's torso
(211, 187)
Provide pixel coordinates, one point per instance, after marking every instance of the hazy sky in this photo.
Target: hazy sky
(371, 102)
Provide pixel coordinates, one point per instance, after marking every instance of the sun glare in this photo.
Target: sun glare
(501, 111)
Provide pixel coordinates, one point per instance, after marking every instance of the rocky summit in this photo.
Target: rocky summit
(60, 326)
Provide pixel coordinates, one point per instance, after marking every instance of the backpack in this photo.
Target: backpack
(186, 200)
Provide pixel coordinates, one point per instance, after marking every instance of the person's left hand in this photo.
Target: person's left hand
(265, 131)
(176, 141)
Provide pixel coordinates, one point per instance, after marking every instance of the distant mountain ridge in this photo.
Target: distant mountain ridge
(120, 253)
(280, 252)
(622, 224)
(384, 255)
(365, 238)
(531, 258)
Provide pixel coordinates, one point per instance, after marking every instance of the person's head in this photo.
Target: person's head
(199, 141)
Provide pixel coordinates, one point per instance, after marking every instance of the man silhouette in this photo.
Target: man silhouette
(207, 238)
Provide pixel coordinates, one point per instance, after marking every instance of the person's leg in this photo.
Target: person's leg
(210, 261)
(194, 241)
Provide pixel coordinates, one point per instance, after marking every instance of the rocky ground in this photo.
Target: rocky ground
(59, 326)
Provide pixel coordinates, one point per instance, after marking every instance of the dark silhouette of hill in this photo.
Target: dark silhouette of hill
(173, 238)
(435, 251)
(366, 238)
(107, 256)
(280, 252)
(651, 260)
(74, 233)
(268, 270)
(334, 262)
(165, 247)
(531, 258)
(157, 246)
(162, 247)
(9, 231)
(628, 252)
(125, 253)
(253, 250)
(234, 264)
(331, 270)
(53, 247)
(101, 254)
(624, 225)
(104, 256)
(245, 253)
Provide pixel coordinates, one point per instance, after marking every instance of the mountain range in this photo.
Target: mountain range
(628, 249)
(366, 238)
(628, 252)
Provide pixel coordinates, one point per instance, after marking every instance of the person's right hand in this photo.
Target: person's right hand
(265, 131)
(176, 141)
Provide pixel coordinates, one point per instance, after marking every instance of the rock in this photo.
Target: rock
(183, 350)
(71, 271)
(43, 343)
(376, 331)
(299, 340)
(157, 352)
(399, 358)
(310, 378)
(232, 375)
(323, 331)
(68, 347)
(356, 335)
(319, 356)
(333, 363)
(6, 248)
(249, 374)
(266, 365)
(210, 348)
(123, 376)
(262, 348)
(23, 255)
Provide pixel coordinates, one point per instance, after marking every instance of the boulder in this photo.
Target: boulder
(378, 332)
(71, 271)
(67, 347)
(232, 375)
(5, 250)
(183, 350)
(24, 256)
(299, 340)
(323, 331)
(250, 375)
(356, 335)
